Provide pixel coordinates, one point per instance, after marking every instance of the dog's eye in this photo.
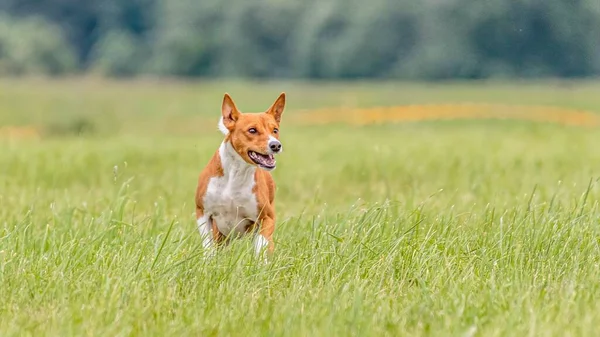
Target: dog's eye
(252, 130)
(275, 130)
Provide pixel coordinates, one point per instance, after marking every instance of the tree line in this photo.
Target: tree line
(317, 39)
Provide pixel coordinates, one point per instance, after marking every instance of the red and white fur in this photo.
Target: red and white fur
(236, 193)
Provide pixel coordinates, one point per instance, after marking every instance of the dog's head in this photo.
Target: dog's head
(254, 136)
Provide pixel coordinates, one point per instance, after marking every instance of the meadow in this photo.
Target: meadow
(470, 227)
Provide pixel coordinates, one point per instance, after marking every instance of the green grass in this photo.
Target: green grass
(441, 229)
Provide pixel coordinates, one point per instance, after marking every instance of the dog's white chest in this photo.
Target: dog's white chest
(230, 202)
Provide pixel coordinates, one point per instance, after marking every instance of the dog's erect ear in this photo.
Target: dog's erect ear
(276, 110)
(229, 114)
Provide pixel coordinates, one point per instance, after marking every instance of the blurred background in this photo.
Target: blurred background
(324, 39)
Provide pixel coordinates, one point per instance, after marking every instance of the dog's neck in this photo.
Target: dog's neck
(234, 166)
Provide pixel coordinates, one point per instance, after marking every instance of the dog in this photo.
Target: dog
(236, 192)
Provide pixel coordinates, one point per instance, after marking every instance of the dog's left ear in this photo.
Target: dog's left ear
(229, 115)
(276, 110)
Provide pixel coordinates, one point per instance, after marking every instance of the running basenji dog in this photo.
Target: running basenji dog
(236, 192)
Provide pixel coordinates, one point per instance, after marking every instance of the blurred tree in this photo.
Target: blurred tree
(535, 38)
(430, 39)
(368, 52)
(33, 46)
(118, 53)
(78, 19)
(84, 23)
(257, 38)
(187, 39)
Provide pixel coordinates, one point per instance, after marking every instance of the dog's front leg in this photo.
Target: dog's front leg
(264, 238)
(205, 227)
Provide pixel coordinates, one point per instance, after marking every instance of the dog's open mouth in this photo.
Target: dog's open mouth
(266, 161)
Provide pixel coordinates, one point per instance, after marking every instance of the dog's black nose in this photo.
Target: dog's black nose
(275, 145)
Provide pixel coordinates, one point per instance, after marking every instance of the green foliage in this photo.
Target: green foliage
(534, 38)
(186, 40)
(118, 54)
(33, 46)
(329, 38)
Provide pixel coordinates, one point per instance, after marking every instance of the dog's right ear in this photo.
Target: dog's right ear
(229, 115)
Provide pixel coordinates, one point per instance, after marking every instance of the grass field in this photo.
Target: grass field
(457, 228)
